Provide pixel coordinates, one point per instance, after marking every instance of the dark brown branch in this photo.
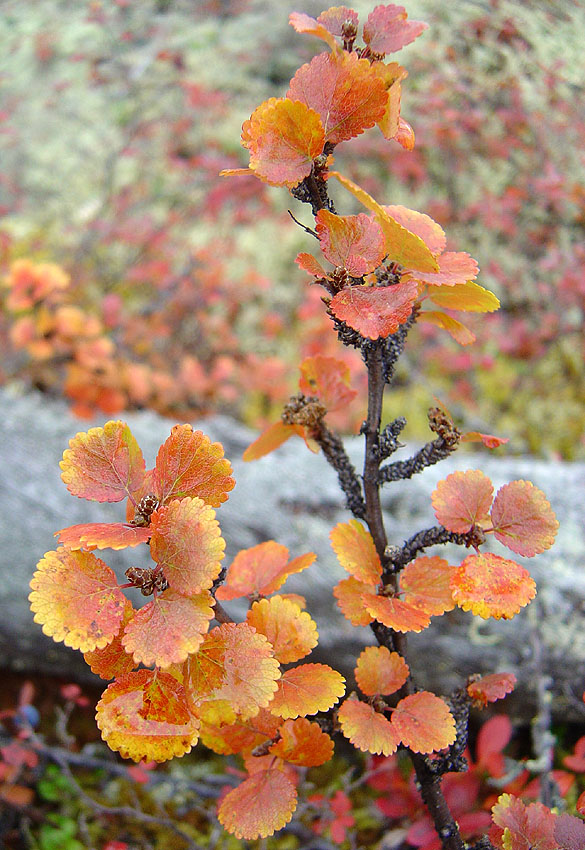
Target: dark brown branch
(401, 556)
(430, 454)
(348, 478)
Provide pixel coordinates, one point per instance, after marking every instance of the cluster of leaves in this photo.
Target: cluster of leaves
(179, 679)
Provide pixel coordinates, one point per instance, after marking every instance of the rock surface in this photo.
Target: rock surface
(293, 497)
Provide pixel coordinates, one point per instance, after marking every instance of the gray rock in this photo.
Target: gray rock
(292, 496)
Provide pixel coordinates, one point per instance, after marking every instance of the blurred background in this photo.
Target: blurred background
(135, 277)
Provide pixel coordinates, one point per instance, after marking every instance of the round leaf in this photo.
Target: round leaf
(491, 586)
(259, 806)
(426, 584)
(396, 614)
(352, 242)
(380, 671)
(303, 743)
(292, 632)
(462, 500)
(523, 519)
(349, 593)
(375, 311)
(424, 723)
(307, 689)
(262, 569)
(366, 728)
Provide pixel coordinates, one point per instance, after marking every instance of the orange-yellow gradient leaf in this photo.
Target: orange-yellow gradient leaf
(424, 723)
(262, 569)
(168, 629)
(379, 671)
(305, 23)
(189, 464)
(186, 542)
(402, 246)
(391, 74)
(387, 30)
(426, 584)
(283, 136)
(454, 328)
(462, 500)
(76, 598)
(405, 135)
(343, 90)
(308, 263)
(102, 535)
(307, 689)
(303, 743)
(292, 632)
(491, 586)
(375, 311)
(396, 614)
(145, 715)
(489, 440)
(469, 297)
(270, 439)
(262, 804)
(328, 379)
(242, 736)
(113, 661)
(355, 550)
(366, 728)
(491, 688)
(103, 464)
(420, 224)
(526, 826)
(353, 242)
(523, 519)
(233, 668)
(349, 593)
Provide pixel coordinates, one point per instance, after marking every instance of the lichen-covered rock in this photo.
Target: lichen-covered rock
(292, 496)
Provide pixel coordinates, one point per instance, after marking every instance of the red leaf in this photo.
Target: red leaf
(103, 464)
(335, 17)
(462, 500)
(491, 688)
(328, 379)
(489, 441)
(426, 584)
(113, 661)
(102, 535)
(528, 827)
(375, 311)
(569, 832)
(523, 519)
(387, 29)
(309, 264)
(424, 723)
(454, 267)
(343, 90)
(352, 242)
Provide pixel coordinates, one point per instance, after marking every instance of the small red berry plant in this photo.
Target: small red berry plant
(183, 670)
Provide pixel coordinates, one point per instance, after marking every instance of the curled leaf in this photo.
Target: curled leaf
(327, 378)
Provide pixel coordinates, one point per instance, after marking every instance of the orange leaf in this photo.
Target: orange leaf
(328, 379)
(189, 464)
(380, 671)
(76, 598)
(112, 661)
(103, 464)
(405, 135)
(343, 90)
(491, 688)
(375, 311)
(387, 30)
(270, 439)
(491, 586)
(352, 242)
(102, 535)
(366, 728)
(469, 297)
(454, 328)
(292, 632)
(283, 136)
(305, 23)
(262, 569)
(233, 672)
(489, 441)
(356, 552)
(303, 743)
(145, 715)
(420, 224)
(391, 74)
(523, 519)
(349, 593)
(308, 263)
(426, 584)
(241, 736)
(168, 629)
(259, 806)
(307, 689)
(402, 246)
(462, 500)
(424, 723)
(186, 542)
(396, 614)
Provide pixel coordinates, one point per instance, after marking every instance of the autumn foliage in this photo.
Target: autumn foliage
(183, 670)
